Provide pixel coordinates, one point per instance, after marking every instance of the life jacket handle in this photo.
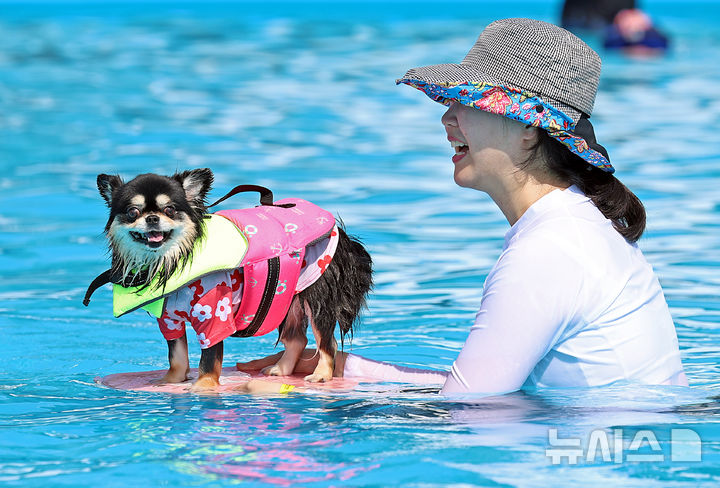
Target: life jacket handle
(266, 196)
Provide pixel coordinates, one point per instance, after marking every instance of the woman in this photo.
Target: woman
(571, 301)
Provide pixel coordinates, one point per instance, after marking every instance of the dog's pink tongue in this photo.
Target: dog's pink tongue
(154, 236)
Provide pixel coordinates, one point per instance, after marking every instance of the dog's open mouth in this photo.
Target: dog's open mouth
(152, 238)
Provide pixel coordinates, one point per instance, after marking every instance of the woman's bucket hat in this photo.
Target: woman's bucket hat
(530, 71)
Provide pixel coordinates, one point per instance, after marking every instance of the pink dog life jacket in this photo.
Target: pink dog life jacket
(277, 237)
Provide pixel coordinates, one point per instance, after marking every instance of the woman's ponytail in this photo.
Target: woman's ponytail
(610, 196)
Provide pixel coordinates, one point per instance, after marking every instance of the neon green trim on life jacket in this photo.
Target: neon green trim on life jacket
(222, 248)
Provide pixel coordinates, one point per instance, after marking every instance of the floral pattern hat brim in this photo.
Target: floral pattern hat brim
(519, 105)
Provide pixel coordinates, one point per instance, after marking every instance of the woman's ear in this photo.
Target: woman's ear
(529, 136)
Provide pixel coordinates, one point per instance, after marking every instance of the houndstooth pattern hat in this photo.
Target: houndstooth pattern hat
(529, 60)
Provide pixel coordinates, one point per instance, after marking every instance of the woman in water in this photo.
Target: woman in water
(571, 300)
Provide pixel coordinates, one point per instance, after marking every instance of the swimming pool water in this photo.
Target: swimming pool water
(300, 98)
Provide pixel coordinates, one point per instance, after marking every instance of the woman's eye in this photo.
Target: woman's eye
(133, 213)
(170, 212)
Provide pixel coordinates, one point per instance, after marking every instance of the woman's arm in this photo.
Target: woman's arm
(305, 365)
(530, 298)
(358, 366)
(354, 366)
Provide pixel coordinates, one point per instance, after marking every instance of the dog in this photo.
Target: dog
(153, 229)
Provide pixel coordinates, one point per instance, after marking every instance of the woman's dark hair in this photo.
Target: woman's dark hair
(617, 203)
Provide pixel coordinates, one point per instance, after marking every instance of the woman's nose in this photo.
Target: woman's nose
(448, 118)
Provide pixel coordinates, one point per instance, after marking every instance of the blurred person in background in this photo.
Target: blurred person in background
(621, 23)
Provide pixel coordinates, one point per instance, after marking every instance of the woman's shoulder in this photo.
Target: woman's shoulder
(569, 251)
(569, 229)
(562, 216)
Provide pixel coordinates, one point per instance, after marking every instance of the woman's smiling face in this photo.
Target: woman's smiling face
(487, 146)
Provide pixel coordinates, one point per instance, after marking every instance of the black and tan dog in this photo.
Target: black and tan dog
(154, 224)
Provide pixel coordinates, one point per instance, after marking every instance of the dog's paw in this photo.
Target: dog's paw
(275, 370)
(205, 383)
(323, 372)
(170, 378)
(318, 378)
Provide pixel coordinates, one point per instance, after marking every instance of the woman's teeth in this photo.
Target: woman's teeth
(459, 147)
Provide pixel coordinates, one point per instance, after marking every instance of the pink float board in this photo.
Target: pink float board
(229, 380)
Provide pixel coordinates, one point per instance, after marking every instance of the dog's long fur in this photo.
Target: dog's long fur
(334, 297)
(172, 208)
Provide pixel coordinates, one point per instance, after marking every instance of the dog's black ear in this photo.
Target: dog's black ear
(196, 183)
(106, 185)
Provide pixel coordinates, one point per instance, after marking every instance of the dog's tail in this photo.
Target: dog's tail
(341, 292)
(356, 266)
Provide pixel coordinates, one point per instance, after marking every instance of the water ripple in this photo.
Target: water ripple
(301, 98)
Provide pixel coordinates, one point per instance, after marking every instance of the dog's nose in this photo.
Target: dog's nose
(152, 219)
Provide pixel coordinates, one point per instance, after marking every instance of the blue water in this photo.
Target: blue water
(301, 98)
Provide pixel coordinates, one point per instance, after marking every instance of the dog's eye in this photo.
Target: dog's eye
(133, 213)
(170, 211)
